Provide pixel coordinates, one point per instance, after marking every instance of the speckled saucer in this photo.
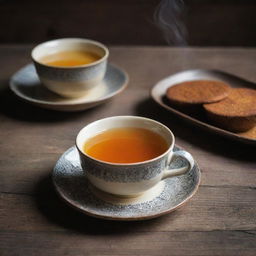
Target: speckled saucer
(72, 185)
(27, 86)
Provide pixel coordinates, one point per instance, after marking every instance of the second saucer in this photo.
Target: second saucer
(27, 86)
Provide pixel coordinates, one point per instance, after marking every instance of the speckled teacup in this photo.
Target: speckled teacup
(72, 81)
(133, 179)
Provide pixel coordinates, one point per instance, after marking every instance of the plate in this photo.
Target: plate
(159, 90)
(72, 186)
(27, 86)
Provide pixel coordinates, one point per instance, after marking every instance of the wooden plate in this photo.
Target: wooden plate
(159, 90)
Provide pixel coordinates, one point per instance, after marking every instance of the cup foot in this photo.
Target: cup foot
(148, 195)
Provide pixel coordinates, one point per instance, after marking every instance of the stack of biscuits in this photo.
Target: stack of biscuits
(233, 109)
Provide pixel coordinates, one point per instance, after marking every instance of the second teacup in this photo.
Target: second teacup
(130, 179)
(72, 80)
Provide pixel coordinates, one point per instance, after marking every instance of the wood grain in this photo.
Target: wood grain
(219, 220)
(216, 243)
(211, 209)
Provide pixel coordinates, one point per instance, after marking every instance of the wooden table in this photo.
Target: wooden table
(219, 220)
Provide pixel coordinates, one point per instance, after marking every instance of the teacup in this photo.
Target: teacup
(73, 81)
(133, 179)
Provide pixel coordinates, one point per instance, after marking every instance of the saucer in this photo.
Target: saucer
(27, 86)
(168, 195)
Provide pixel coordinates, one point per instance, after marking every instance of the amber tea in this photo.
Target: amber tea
(70, 58)
(125, 145)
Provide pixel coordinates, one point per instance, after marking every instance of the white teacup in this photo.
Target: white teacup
(131, 179)
(73, 81)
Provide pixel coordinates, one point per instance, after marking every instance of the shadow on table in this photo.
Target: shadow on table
(13, 107)
(58, 212)
(195, 135)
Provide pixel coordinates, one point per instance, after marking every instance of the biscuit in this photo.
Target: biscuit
(189, 96)
(236, 113)
(198, 92)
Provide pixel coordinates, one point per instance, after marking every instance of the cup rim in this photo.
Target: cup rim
(170, 148)
(93, 42)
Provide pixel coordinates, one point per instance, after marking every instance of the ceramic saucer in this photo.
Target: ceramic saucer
(72, 186)
(26, 85)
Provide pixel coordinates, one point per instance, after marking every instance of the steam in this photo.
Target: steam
(168, 17)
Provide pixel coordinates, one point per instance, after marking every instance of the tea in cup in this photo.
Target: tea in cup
(70, 66)
(128, 155)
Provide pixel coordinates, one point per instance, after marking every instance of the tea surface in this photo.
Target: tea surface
(70, 58)
(125, 145)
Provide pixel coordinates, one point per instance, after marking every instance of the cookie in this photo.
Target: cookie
(198, 92)
(189, 96)
(236, 113)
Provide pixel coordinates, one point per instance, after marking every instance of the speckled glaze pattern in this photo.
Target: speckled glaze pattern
(72, 75)
(74, 188)
(125, 174)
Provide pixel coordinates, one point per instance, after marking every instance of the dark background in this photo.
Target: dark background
(126, 22)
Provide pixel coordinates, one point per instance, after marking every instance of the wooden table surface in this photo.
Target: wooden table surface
(219, 220)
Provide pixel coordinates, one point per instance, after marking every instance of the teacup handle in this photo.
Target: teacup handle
(178, 171)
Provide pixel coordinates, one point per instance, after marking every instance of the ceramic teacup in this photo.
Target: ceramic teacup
(133, 179)
(73, 81)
